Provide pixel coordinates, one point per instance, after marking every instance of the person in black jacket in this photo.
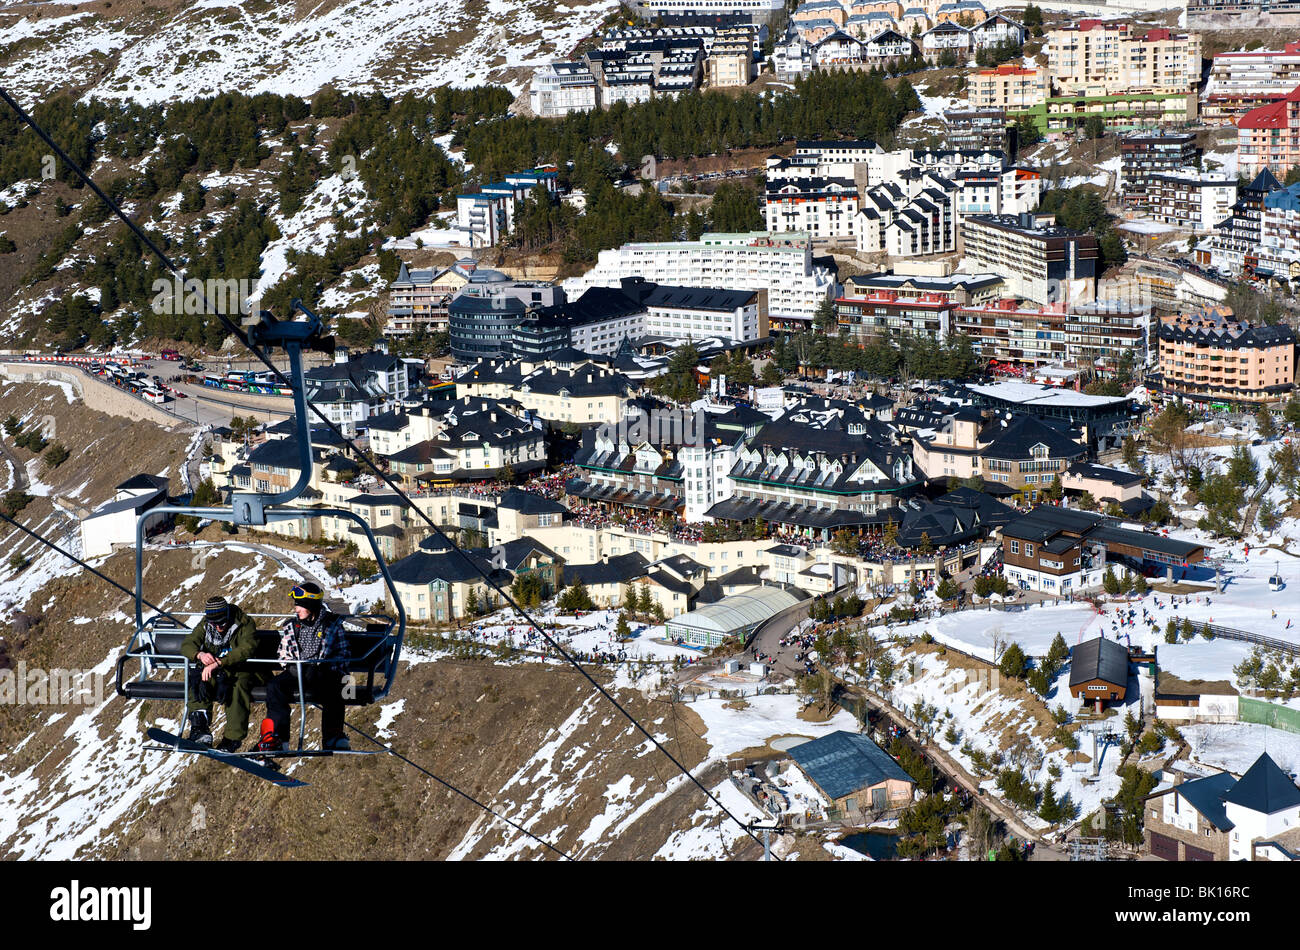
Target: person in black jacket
(313, 633)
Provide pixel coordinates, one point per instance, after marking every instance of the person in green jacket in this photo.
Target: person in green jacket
(217, 648)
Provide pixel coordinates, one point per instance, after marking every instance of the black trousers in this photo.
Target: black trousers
(322, 686)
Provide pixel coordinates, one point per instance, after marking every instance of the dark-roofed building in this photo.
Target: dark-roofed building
(439, 584)
(1223, 818)
(1099, 672)
(1107, 485)
(1101, 419)
(853, 772)
(660, 460)
(1208, 357)
(1063, 550)
(581, 393)
(607, 580)
(114, 523)
(1019, 452)
(141, 485)
(354, 388)
(596, 323)
(821, 466)
(960, 516)
(958, 288)
(1189, 822)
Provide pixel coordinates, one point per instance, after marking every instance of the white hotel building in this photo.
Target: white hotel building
(781, 264)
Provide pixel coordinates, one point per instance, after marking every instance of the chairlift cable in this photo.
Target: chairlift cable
(104, 577)
(243, 338)
(415, 765)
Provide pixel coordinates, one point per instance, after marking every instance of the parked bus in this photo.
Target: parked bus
(154, 395)
(169, 355)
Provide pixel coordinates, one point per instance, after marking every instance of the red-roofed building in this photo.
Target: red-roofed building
(1269, 137)
(1240, 82)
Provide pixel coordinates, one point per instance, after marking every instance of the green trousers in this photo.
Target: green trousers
(237, 705)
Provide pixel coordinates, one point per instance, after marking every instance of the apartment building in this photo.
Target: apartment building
(487, 215)
(810, 11)
(554, 389)
(482, 316)
(957, 288)
(1269, 137)
(596, 323)
(903, 202)
(1234, 248)
(949, 36)
(1008, 87)
(1121, 112)
(752, 11)
(1191, 202)
(961, 12)
(1208, 356)
(1278, 254)
(1242, 81)
(418, 298)
(981, 129)
(731, 59)
(1094, 336)
(781, 264)
(1143, 154)
(1039, 261)
(1101, 58)
(560, 88)
(1020, 452)
(823, 465)
(822, 207)
(354, 388)
(913, 219)
(880, 314)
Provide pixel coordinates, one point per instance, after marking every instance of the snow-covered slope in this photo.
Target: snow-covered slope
(205, 47)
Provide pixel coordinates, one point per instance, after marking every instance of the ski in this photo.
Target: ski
(290, 754)
(265, 772)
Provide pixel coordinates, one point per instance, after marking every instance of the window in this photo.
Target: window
(1015, 547)
(1029, 550)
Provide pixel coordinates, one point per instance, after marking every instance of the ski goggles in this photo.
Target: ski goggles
(302, 595)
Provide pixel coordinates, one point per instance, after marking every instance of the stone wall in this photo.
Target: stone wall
(93, 392)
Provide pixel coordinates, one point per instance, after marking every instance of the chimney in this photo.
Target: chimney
(340, 355)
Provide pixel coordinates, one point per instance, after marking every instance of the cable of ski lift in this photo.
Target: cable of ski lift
(244, 338)
(103, 577)
(419, 768)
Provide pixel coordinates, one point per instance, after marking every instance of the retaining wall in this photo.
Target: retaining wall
(93, 392)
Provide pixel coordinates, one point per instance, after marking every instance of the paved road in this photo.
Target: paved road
(768, 641)
(216, 407)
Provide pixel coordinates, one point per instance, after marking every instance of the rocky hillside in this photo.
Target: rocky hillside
(180, 49)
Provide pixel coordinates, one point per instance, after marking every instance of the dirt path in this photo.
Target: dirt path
(959, 776)
(21, 481)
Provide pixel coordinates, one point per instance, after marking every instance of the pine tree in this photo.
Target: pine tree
(1109, 582)
(1013, 662)
(622, 631)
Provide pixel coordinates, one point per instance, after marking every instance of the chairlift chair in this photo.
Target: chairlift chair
(374, 640)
